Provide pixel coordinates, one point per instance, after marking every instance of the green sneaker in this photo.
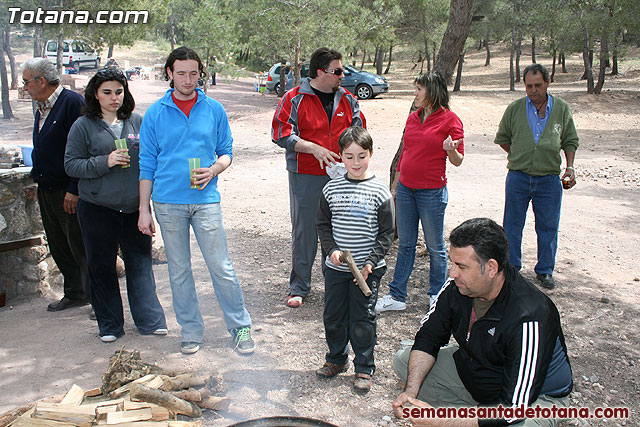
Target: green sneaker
(242, 338)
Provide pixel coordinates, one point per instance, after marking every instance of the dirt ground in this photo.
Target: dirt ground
(597, 270)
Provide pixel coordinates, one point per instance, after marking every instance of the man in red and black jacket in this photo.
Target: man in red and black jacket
(509, 350)
(307, 123)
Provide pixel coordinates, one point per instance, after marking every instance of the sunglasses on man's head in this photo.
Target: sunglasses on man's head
(336, 71)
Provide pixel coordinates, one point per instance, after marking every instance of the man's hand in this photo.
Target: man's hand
(324, 156)
(70, 202)
(570, 177)
(335, 257)
(145, 223)
(203, 176)
(366, 271)
(398, 403)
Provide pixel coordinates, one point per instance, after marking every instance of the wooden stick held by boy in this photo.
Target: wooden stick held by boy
(362, 284)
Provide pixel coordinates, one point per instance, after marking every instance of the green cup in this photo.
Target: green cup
(193, 164)
(122, 143)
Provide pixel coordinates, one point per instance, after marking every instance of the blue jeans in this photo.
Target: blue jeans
(103, 229)
(545, 194)
(206, 220)
(427, 206)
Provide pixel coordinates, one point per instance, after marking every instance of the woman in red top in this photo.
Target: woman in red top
(432, 135)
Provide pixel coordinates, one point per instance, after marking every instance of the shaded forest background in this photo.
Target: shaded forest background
(234, 35)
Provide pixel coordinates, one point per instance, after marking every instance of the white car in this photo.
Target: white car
(75, 54)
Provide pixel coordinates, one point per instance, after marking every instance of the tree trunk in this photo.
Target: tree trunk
(364, 56)
(588, 72)
(564, 63)
(604, 56)
(533, 49)
(518, 54)
(59, 52)
(512, 54)
(38, 50)
(172, 31)
(386, 71)
(487, 61)
(396, 158)
(614, 56)
(456, 86)
(427, 56)
(433, 55)
(553, 66)
(110, 51)
(379, 59)
(4, 84)
(354, 55)
(283, 79)
(460, 16)
(590, 55)
(6, 39)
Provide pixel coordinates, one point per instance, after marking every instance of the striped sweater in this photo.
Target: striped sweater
(358, 216)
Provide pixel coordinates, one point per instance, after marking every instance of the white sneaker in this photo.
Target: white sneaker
(108, 338)
(386, 303)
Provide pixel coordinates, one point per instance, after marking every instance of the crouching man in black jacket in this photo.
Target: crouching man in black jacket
(510, 353)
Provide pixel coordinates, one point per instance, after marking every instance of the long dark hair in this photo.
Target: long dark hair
(92, 109)
(182, 54)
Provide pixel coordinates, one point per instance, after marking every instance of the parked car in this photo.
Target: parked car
(75, 54)
(273, 76)
(363, 84)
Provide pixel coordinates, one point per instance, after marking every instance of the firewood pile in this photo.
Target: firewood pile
(133, 394)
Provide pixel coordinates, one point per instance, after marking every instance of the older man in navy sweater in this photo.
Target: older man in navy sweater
(57, 109)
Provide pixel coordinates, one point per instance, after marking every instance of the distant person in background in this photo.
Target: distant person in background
(307, 123)
(111, 64)
(534, 130)
(433, 136)
(57, 110)
(108, 206)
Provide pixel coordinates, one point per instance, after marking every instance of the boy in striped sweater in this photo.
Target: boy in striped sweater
(355, 213)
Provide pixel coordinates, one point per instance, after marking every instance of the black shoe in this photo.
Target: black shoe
(546, 281)
(65, 303)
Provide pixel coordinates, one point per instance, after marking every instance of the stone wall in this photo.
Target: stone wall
(24, 271)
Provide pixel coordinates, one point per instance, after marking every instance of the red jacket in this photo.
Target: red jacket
(300, 115)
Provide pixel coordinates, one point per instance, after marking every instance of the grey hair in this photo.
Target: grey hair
(42, 67)
(535, 69)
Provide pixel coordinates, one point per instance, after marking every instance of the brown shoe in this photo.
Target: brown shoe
(330, 370)
(362, 383)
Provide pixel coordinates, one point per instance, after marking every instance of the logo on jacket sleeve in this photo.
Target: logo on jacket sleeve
(492, 331)
(340, 114)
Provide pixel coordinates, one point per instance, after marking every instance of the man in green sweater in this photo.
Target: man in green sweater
(534, 130)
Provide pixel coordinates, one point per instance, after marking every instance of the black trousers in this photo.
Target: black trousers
(350, 317)
(103, 230)
(65, 243)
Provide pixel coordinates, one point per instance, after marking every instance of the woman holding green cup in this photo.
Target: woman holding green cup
(102, 151)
